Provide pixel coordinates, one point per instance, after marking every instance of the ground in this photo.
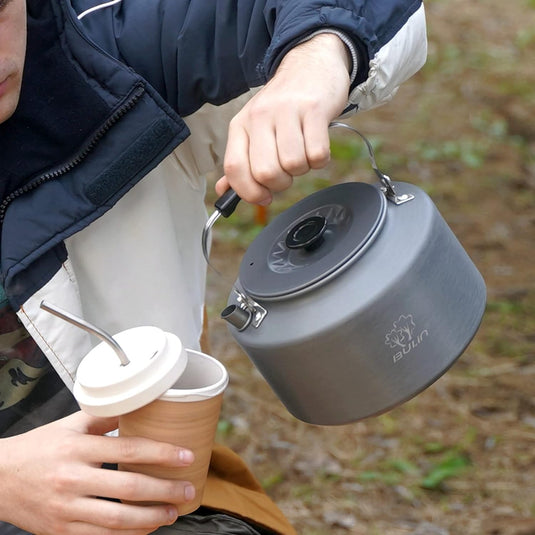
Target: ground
(459, 459)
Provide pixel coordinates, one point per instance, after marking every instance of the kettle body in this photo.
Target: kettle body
(344, 335)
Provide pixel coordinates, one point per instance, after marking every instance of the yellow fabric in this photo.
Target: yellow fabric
(233, 489)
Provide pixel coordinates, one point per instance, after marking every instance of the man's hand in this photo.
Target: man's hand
(282, 131)
(51, 478)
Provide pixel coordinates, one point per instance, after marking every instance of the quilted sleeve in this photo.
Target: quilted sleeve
(194, 52)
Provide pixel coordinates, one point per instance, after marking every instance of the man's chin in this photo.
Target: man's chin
(8, 105)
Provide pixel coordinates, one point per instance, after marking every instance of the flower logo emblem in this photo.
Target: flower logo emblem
(403, 332)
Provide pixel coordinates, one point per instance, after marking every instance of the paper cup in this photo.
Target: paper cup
(185, 415)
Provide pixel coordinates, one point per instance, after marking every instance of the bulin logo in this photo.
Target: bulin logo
(402, 337)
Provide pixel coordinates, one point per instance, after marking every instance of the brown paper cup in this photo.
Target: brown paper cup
(186, 416)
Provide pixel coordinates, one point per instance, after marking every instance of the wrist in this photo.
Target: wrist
(341, 44)
(323, 50)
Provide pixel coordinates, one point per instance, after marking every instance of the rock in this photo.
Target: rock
(427, 528)
(339, 519)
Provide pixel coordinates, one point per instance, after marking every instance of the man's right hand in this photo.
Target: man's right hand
(51, 478)
(283, 131)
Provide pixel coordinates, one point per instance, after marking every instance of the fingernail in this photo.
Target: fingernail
(265, 202)
(172, 514)
(185, 456)
(189, 493)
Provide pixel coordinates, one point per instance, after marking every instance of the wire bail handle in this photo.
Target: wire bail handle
(386, 182)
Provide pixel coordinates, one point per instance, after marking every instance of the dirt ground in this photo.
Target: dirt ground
(459, 459)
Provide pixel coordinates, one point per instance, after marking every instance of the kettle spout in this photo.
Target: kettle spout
(237, 316)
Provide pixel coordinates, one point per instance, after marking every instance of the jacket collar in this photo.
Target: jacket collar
(57, 108)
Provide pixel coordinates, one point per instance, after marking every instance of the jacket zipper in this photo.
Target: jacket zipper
(132, 100)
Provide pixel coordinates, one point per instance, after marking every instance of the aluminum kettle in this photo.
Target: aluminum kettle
(355, 299)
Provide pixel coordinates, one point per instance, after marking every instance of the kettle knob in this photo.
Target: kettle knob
(307, 234)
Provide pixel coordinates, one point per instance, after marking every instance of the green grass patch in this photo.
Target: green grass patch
(451, 465)
(272, 480)
(470, 152)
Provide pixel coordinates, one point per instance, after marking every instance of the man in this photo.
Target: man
(111, 114)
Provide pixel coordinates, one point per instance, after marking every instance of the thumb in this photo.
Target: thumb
(221, 186)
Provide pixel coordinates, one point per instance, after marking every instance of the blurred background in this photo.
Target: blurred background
(460, 457)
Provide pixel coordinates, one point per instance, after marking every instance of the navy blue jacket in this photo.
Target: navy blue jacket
(102, 101)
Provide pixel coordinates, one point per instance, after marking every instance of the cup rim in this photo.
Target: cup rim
(200, 393)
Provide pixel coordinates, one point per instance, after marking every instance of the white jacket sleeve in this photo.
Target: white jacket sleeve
(395, 62)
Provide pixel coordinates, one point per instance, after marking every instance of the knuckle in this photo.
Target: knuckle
(282, 184)
(311, 103)
(71, 443)
(63, 481)
(319, 156)
(258, 110)
(129, 487)
(232, 166)
(235, 122)
(114, 519)
(294, 166)
(266, 175)
(55, 511)
(128, 448)
(253, 197)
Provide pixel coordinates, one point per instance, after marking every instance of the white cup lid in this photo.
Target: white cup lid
(105, 387)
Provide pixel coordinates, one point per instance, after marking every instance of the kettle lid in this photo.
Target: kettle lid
(312, 240)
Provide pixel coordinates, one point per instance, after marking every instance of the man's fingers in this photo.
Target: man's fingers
(266, 168)
(104, 516)
(317, 142)
(291, 146)
(133, 450)
(237, 166)
(134, 487)
(264, 159)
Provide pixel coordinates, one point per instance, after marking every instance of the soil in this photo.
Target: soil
(458, 459)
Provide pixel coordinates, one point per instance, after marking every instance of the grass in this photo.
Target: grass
(509, 326)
